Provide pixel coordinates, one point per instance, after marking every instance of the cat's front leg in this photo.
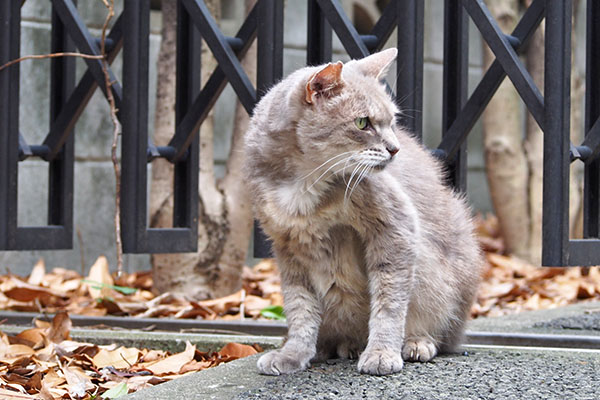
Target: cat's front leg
(389, 269)
(303, 317)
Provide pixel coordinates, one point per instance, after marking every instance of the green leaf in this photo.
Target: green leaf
(100, 285)
(273, 312)
(105, 298)
(120, 390)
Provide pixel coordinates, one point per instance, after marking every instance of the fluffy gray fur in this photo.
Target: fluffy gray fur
(377, 256)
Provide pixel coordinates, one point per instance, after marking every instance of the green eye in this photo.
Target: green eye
(361, 122)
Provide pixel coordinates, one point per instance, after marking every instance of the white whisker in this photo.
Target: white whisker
(343, 169)
(360, 164)
(329, 160)
(326, 171)
(365, 172)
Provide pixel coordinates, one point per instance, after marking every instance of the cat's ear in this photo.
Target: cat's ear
(326, 83)
(377, 65)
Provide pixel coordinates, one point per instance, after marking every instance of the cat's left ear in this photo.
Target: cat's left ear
(377, 65)
(326, 83)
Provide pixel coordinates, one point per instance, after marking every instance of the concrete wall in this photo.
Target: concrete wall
(94, 178)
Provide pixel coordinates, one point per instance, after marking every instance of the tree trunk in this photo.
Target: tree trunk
(515, 166)
(534, 149)
(224, 221)
(506, 165)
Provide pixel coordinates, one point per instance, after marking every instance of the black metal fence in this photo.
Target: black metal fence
(130, 34)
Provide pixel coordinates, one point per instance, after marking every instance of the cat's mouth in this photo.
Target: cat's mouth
(381, 166)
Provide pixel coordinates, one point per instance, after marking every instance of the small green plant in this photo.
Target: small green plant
(273, 312)
(100, 285)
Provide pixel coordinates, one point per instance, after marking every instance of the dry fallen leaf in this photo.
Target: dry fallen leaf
(171, 364)
(122, 357)
(99, 279)
(34, 338)
(11, 394)
(236, 350)
(78, 382)
(59, 328)
(37, 273)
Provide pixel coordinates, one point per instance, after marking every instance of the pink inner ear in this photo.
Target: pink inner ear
(324, 81)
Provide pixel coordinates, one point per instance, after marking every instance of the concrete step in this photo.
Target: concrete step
(479, 373)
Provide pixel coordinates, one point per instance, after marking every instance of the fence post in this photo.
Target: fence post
(269, 70)
(591, 227)
(60, 185)
(557, 90)
(134, 120)
(409, 65)
(10, 29)
(185, 205)
(456, 68)
(318, 43)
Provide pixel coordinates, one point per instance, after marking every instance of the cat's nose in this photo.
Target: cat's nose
(392, 150)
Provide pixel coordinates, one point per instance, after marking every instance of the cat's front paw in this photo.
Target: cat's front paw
(279, 362)
(421, 350)
(348, 350)
(380, 362)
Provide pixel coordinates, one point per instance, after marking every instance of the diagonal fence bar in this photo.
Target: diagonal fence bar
(507, 56)
(222, 52)
(67, 11)
(213, 88)
(479, 99)
(62, 125)
(344, 29)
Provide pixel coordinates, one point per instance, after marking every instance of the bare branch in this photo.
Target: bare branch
(52, 55)
(116, 132)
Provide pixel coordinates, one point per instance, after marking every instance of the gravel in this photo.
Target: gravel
(482, 374)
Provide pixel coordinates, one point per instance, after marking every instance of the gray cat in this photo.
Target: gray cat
(377, 257)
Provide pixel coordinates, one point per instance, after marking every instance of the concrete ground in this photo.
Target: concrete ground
(480, 372)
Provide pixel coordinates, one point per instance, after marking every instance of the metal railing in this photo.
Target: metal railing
(130, 34)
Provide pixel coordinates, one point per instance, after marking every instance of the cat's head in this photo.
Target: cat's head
(348, 118)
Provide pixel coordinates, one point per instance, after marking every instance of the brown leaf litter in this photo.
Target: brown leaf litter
(44, 363)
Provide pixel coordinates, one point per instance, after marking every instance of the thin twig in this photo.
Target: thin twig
(242, 305)
(81, 249)
(52, 55)
(124, 359)
(116, 133)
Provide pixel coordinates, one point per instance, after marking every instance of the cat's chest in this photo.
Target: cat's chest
(342, 265)
(297, 198)
(305, 215)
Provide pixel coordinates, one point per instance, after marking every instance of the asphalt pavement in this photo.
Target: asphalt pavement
(478, 372)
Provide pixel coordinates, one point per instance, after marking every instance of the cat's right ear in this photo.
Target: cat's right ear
(325, 83)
